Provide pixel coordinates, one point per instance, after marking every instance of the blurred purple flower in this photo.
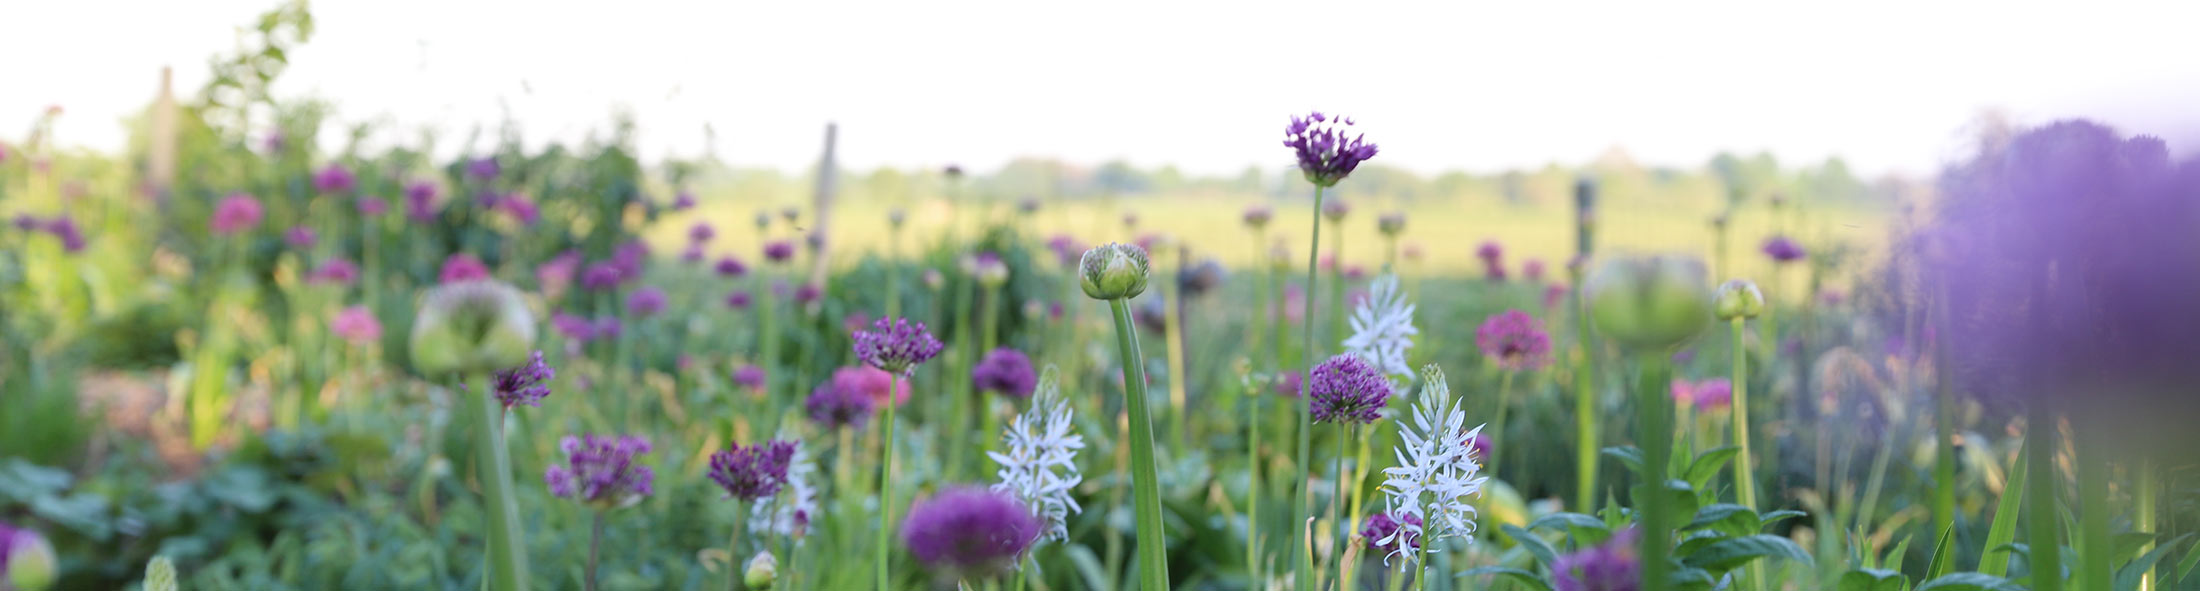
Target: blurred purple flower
(483, 168)
(1514, 341)
(524, 385)
(833, 407)
(1553, 295)
(1288, 383)
(420, 201)
(462, 267)
(970, 531)
(371, 206)
(683, 201)
(64, 229)
(1611, 566)
(557, 273)
(1257, 215)
(870, 381)
(334, 178)
(1783, 250)
(701, 233)
(693, 254)
(1325, 155)
(647, 301)
(336, 271)
(738, 299)
(1532, 270)
(749, 376)
(1336, 209)
(778, 251)
(628, 258)
(356, 325)
(575, 328)
(1005, 371)
(1381, 526)
(807, 293)
(236, 213)
(520, 208)
(731, 266)
(300, 237)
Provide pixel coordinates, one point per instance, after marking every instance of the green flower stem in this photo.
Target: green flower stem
(1256, 328)
(2043, 537)
(767, 314)
(1504, 404)
(1336, 506)
(1336, 290)
(2143, 514)
(1745, 479)
(2095, 551)
(1654, 430)
(964, 390)
(1585, 406)
(988, 425)
(1153, 554)
(1359, 493)
(1944, 452)
(1420, 562)
(507, 550)
(733, 550)
(1303, 565)
(595, 544)
(1173, 332)
(1253, 490)
(886, 477)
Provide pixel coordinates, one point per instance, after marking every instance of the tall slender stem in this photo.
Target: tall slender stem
(595, 544)
(1336, 504)
(1504, 403)
(1303, 565)
(507, 551)
(1153, 554)
(2095, 552)
(733, 549)
(1253, 490)
(1653, 426)
(2143, 513)
(1944, 454)
(893, 272)
(1745, 479)
(1585, 405)
(1420, 562)
(2044, 538)
(886, 477)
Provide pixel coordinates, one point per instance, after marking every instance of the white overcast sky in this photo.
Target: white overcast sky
(1207, 86)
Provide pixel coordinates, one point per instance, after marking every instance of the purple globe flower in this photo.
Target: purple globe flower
(1532, 270)
(1336, 209)
(1257, 215)
(702, 232)
(683, 201)
(1289, 383)
(731, 266)
(749, 376)
(334, 178)
(807, 293)
(972, 532)
(483, 168)
(628, 258)
(738, 300)
(1347, 388)
(1005, 371)
(521, 209)
(1783, 250)
(524, 385)
(778, 251)
(647, 301)
(27, 222)
(754, 472)
(896, 345)
(834, 407)
(576, 328)
(300, 237)
(1611, 566)
(1514, 341)
(600, 276)
(693, 254)
(1325, 155)
(1381, 526)
(608, 327)
(601, 471)
(462, 267)
(420, 201)
(236, 213)
(1481, 445)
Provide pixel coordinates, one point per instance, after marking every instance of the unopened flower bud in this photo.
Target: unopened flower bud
(472, 327)
(30, 564)
(1114, 271)
(160, 574)
(1738, 298)
(1649, 302)
(763, 570)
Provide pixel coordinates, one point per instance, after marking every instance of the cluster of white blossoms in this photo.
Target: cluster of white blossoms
(1437, 471)
(1039, 465)
(1382, 327)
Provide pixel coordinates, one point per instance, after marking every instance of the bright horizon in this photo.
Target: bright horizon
(1887, 87)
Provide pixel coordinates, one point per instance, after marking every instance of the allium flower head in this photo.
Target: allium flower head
(896, 345)
(1348, 389)
(778, 251)
(472, 326)
(579, 329)
(1611, 566)
(65, 230)
(628, 258)
(525, 385)
(27, 222)
(557, 273)
(300, 237)
(738, 299)
(601, 471)
(1066, 250)
(603, 275)
(1437, 472)
(1738, 298)
(1653, 302)
(1114, 271)
(754, 472)
(731, 266)
(1289, 383)
(371, 206)
(1257, 215)
(807, 293)
(701, 233)
(1039, 464)
(1325, 154)
(1006, 372)
(27, 561)
(1336, 209)
(463, 267)
(1391, 224)
(987, 268)
(236, 213)
(974, 532)
(1532, 270)
(1783, 249)
(791, 515)
(749, 376)
(832, 406)
(683, 201)
(872, 382)
(1381, 532)
(647, 301)
(334, 271)
(522, 209)
(1382, 327)
(1712, 394)
(483, 168)
(334, 178)
(357, 325)
(1514, 341)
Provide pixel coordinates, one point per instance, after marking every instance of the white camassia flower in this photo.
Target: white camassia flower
(791, 512)
(1382, 327)
(1437, 471)
(1040, 465)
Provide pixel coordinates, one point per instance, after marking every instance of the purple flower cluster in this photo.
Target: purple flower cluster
(896, 345)
(1514, 340)
(1325, 155)
(754, 472)
(334, 178)
(61, 227)
(1611, 566)
(738, 299)
(483, 168)
(600, 470)
(778, 251)
(524, 385)
(334, 271)
(463, 267)
(1066, 250)
(420, 201)
(1783, 249)
(731, 266)
(749, 376)
(1347, 388)
(1711, 394)
(683, 201)
(236, 213)
(1493, 260)
(647, 301)
(1005, 371)
(1257, 215)
(300, 237)
(833, 406)
(972, 531)
(1381, 526)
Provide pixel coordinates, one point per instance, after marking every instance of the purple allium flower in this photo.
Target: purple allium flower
(64, 229)
(600, 276)
(749, 376)
(356, 325)
(483, 168)
(1288, 383)
(462, 267)
(236, 213)
(601, 471)
(1005, 371)
(738, 299)
(1336, 209)
(701, 233)
(647, 301)
(1481, 445)
(971, 531)
(778, 251)
(1493, 260)
(896, 345)
(1783, 249)
(781, 289)
(854, 321)
(952, 171)
(1347, 388)
(1612, 566)
(274, 141)
(870, 381)
(1257, 215)
(628, 258)
(27, 222)
(300, 237)
(1325, 155)
(420, 201)
(334, 271)
(693, 254)
(833, 407)
(371, 206)
(1066, 250)
(526, 384)
(334, 178)
(1713, 394)
(576, 328)
(683, 201)
(521, 208)
(558, 272)
(1514, 340)
(1382, 526)
(1412, 251)
(807, 293)
(1532, 270)
(754, 472)
(731, 266)
(608, 327)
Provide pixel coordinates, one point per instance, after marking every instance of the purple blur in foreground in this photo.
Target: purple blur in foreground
(971, 531)
(1381, 526)
(1611, 566)
(1005, 371)
(1783, 249)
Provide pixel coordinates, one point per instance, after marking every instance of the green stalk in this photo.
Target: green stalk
(1336, 505)
(988, 426)
(1173, 334)
(1585, 406)
(964, 389)
(1653, 426)
(1745, 478)
(1303, 566)
(2043, 537)
(1255, 328)
(886, 477)
(1420, 572)
(1944, 454)
(1252, 490)
(733, 549)
(1153, 555)
(595, 543)
(2143, 515)
(2004, 528)
(1504, 403)
(2095, 554)
(507, 551)
(1336, 290)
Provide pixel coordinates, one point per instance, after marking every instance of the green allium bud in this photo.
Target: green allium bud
(1114, 271)
(472, 327)
(30, 565)
(1652, 302)
(1739, 299)
(160, 574)
(763, 570)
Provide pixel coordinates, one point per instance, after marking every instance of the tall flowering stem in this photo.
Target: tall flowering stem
(1654, 428)
(897, 346)
(1116, 273)
(1584, 368)
(2044, 537)
(1304, 564)
(1650, 306)
(507, 554)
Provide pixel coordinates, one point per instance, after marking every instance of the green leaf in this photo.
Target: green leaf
(1728, 518)
(2129, 543)
(1734, 552)
(2184, 567)
(1521, 577)
(1534, 545)
(2004, 529)
(23, 481)
(1088, 564)
(1563, 521)
(1626, 454)
(1773, 517)
(1942, 560)
(1689, 579)
(1871, 579)
(1900, 554)
(1969, 582)
(2128, 576)
(1708, 465)
(1694, 542)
